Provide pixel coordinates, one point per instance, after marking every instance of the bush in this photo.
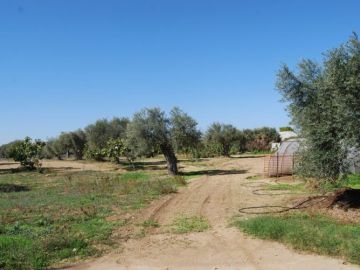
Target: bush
(27, 152)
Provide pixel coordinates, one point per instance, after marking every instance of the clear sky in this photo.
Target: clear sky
(64, 64)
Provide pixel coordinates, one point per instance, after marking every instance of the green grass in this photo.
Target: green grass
(317, 234)
(150, 223)
(62, 215)
(353, 181)
(283, 186)
(189, 224)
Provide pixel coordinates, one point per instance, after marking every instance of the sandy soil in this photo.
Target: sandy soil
(218, 198)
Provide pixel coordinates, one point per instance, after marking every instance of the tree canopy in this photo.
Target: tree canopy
(152, 129)
(324, 103)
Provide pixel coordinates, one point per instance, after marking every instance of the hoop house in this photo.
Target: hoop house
(282, 162)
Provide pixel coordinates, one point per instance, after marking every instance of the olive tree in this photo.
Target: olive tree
(152, 128)
(5, 149)
(220, 138)
(324, 103)
(78, 142)
(260, 139)
(99, 133)
(66, 144)
(184, 133)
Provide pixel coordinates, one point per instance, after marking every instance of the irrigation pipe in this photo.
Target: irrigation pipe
(298, 206)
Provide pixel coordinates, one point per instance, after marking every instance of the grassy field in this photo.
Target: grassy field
(60, 215)
(318, 234)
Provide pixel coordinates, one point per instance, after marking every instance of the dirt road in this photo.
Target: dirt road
(218, 198)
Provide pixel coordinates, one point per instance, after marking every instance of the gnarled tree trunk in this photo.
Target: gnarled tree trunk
(170, 157)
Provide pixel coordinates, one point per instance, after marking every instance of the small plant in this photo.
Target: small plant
(190, 224)
(166, 187)
(254, 177)
(150, 223)
(180, 180)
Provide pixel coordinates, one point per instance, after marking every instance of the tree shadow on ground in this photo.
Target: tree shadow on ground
(8, 163)
(213, 172)
(7, 188)
(14, 170)
(144, 165)
(250, 156)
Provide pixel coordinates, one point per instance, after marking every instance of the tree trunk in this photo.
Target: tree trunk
(170, 157)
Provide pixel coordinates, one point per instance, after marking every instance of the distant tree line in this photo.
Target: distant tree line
(148, 133)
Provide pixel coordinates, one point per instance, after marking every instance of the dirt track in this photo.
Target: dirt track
(218, 198)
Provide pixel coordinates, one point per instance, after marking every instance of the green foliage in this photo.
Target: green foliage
(260, 139)
(226, 140)
(99, 134)
(184, 133)
(6, 149)
(190, 224)
(78, 143)
(68, 143)
(101, 131)
(352, 181)
(220, 138)
(324, 104)
(309, 233)
(149, 128)
(283, 129)
(117, 148)
(27, 152)
(94, 153)
(152, 131)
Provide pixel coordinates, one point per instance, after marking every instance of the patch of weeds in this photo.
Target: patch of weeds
(283, 186)
(64, 245)
(352, 181)
(150, 223)
(97, 229)
(134, 176)
(317, 233)
(17, 252)
(165, 187)
(254, 177)
(180, 180)
(190, 224)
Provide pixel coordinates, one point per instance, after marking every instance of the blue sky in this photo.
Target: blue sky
(64, 64)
